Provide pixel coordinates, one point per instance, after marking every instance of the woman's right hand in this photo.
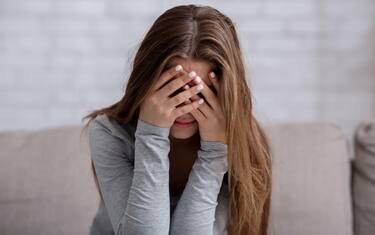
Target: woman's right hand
(159, 108)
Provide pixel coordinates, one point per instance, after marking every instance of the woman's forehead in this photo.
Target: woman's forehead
(201, 67)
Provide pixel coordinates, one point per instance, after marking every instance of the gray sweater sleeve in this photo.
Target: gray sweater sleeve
(195, 211)
(136, 197)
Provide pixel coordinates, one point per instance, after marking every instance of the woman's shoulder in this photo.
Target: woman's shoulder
(103, 123)
(109, 140)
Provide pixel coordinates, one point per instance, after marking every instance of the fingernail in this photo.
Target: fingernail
(212, 75)
(192, 74)
(178, 68)
(200, 101)
(198, 79)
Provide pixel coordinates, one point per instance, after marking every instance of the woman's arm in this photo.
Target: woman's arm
(195, 211)
(136, 197)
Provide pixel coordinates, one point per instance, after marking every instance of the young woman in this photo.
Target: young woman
(181, 152)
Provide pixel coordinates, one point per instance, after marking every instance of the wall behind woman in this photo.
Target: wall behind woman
(310, 60)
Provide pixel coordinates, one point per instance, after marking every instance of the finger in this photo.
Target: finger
(175, 84)
(214, 81)
(198, 115)
(183, 96)
(167, 75)
(207, 111)
(186, 108)
(194, 97)
(210, 97)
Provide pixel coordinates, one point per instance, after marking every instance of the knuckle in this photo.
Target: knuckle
(185, 96)
(177, 99)
(171, 72)
(178, 83)
(186, 78)
(170, 88)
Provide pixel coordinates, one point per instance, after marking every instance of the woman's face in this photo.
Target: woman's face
(202, 68)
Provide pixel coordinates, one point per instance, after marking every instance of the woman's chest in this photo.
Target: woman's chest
(179, 171)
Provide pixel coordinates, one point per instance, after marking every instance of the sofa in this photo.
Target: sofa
(47, 186)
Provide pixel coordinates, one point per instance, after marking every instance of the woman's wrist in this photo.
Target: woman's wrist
(207, 145)
(147, 128)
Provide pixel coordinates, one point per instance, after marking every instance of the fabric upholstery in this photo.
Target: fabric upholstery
(47, 185)
(364, 179)
(311, 180)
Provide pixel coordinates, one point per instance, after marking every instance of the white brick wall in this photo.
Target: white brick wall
(308, 60)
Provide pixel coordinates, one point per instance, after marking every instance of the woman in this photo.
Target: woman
(173, 158)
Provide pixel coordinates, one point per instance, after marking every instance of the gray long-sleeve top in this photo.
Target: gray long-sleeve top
(132, 167)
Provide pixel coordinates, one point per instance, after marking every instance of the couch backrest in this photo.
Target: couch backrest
(47, 186)
(311, 180)
(46, 183)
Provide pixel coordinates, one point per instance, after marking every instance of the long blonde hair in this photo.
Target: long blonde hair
(202, 32)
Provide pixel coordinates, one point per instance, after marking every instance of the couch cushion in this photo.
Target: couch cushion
(364, 179)
(46, 182)
(47, 186)
(311, 180)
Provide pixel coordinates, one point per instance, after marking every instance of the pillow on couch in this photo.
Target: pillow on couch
(364, 179)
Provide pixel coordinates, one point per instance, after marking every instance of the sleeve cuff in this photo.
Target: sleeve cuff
(213, 146)
(147, 128)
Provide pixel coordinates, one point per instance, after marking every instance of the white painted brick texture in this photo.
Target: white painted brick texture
(309, 60)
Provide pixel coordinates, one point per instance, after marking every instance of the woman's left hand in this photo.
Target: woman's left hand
(209, 115)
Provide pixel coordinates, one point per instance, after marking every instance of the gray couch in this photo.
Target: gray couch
(47, 185)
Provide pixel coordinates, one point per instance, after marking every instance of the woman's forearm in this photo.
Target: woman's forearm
(136, 195)
(148, 207)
